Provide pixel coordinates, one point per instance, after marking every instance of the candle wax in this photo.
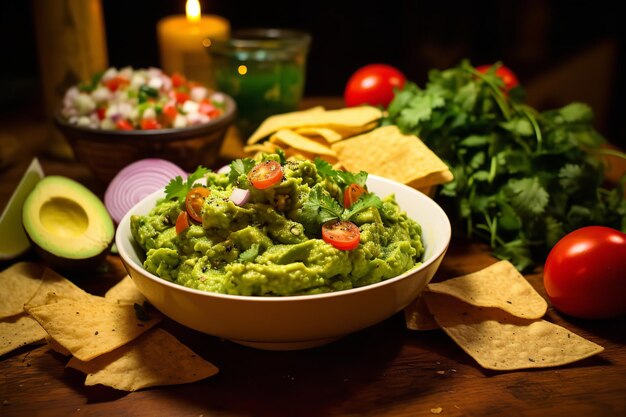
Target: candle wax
(182, 49)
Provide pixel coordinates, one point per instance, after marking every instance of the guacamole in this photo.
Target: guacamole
(270, 242)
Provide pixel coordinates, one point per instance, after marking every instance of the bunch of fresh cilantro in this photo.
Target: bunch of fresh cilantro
(522, 178)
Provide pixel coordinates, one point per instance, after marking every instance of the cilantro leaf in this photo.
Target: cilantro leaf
(527, 195)
(365, 201)
(341, 178)
(320, 206)
(178, 188)
(533, 174)
(239, 168)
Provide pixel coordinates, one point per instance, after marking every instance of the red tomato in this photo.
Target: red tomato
(116, 82)
(194, 202)
(101, 113)
(169, 114)
(373, 84)
(182, 222)
(343, 235)
(178, 79)
(149, 124)
(265, 174)
(124, 125)
(585, 273)
(508, 77)
(206, 107)
(181, 97)
(351, 194)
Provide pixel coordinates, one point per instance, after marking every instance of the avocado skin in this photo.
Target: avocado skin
(68, 265)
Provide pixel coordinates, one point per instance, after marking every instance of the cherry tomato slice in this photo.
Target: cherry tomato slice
(194, 201)
(265, 174)
(182, 222)
(343, 235)
(351, 194)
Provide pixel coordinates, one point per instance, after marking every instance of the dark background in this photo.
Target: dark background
(562, 51)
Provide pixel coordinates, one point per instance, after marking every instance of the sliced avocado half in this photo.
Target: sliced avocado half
(67, 224)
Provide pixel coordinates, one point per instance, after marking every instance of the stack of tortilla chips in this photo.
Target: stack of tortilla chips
(350, 138)
(112, 339)
(495, 316)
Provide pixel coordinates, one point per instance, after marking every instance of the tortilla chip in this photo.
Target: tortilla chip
(54, 345)
(90, 327)
(19, 331)
(125, 292)
(155, 358)
(417, 316)
(328, 135)
(18, 284)
(302, 143)
(387, 152)
(500, 341)
(53, 283)
(349, 119)
(499, 285)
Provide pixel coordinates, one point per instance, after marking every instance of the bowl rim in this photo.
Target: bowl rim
(289, 298)
(164, 135)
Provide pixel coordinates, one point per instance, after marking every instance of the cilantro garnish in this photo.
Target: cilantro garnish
(178, 188)
(320, 207)
(239, 168)
(522, 178)
(341, 178)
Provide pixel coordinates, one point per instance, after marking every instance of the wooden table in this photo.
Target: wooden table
(384, 370)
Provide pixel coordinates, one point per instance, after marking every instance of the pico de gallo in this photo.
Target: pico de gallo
(140, 99)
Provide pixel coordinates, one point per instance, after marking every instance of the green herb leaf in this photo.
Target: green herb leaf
(178, 188)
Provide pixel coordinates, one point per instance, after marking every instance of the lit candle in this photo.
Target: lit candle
(183, 41)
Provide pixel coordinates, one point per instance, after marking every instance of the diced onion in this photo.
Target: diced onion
(136, 181)
(240, 196)
(224, 170)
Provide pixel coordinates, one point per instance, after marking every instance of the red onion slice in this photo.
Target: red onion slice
(240, 196)
(136, 181)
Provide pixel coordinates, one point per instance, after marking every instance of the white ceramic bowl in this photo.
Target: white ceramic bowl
(294, 322)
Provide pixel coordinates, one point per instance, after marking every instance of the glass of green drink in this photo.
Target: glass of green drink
(263, 70)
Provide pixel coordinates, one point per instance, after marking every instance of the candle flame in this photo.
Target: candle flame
(192, 8)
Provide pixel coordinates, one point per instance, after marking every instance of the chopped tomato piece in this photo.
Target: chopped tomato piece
(351, 194)
(343, 235)
(124, 125)
(149, 124)
(169, 113)
(194, 202)
(101, 113)
(116, 82)
(206, 107)
(265, 174)
(182, 222)
(178, 80)
(181, 97)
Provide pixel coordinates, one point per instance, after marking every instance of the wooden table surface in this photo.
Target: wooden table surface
(385, 370)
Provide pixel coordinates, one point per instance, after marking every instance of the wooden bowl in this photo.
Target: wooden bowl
(106, 152)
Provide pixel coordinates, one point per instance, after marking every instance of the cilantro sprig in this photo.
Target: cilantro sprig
(341, 178)
(320, 207)
(178, 188)
(522, 178)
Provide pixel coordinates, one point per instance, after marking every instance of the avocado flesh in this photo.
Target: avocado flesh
(67, 224)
